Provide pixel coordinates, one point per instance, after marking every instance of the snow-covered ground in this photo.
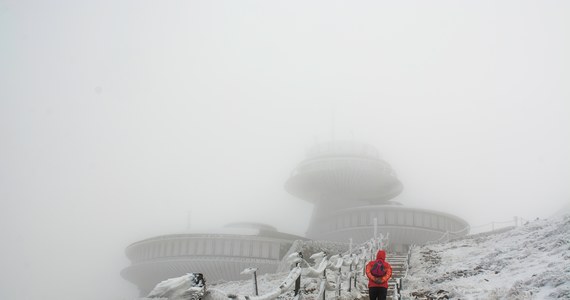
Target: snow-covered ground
(527, 262)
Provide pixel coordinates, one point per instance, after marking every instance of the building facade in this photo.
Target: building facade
(219, 256)
(352, 187)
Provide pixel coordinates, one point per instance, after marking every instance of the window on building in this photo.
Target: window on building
(265, 250)
(200, 246)
(401, 218)
(209, 247)
(441, 223)
(354, 219)
(427, 219)
(175, 248)
(219, 247)
(390, 218)
(274, 251)
(228, 247)
(256, 249)
(181, 247)
(418, 219)
(410, 218)
(246, 250)
(236, 245)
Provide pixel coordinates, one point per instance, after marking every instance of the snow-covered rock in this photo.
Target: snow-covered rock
(527, 262)
(188, 287)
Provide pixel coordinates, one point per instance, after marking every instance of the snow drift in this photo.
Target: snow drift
(527, 262)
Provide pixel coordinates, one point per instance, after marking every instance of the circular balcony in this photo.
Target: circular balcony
(219, 256)
(405, 225)
(343, 148)
(351, 177)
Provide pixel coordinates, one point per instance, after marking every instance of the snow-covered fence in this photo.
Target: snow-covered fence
(400, 281)
(252, 271)
(344, 267)
(483, 228)
(498, 225)
(331, 270)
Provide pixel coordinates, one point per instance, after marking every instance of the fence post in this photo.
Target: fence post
(325, 285)
(355, 279)
(298, 281)
(339, 280)
(350, 275)
(350, 266)
(255, 282)
(253, 272)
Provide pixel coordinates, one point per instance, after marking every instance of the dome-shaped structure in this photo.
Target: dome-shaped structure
(351, 187)
(336, 171)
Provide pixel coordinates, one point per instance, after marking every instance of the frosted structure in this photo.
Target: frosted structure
(351, 186)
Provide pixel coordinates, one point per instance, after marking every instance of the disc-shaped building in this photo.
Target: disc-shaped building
(352, 189)
(219, 256)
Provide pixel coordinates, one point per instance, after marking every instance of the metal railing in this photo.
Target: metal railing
(491, 226)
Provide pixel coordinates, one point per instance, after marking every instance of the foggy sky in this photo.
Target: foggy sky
(118, 118)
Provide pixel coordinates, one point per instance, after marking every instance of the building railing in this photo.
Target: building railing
(491, 226)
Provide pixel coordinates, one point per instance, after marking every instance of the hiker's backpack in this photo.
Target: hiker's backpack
(378, 269)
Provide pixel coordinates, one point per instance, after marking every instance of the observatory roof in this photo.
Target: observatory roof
(343, 148)
(245, 229)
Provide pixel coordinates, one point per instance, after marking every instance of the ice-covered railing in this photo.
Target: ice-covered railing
(400, 280)
(333, 271)
(488, 227)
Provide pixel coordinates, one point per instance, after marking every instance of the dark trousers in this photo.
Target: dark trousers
(377, 293)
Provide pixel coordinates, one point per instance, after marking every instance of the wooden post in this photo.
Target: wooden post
(255, 282)
(339, 280)
(350, 275)
(355, 279)
(298, 281)
(325, 285)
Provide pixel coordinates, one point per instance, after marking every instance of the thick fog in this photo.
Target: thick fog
(119, 119)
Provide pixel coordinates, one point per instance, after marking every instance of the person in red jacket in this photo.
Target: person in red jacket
(378, 272)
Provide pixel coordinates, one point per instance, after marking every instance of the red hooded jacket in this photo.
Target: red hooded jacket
(372, 281)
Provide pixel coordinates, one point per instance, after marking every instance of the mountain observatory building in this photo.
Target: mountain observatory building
(351, 188)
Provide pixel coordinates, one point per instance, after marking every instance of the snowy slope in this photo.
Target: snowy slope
(527, 262)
